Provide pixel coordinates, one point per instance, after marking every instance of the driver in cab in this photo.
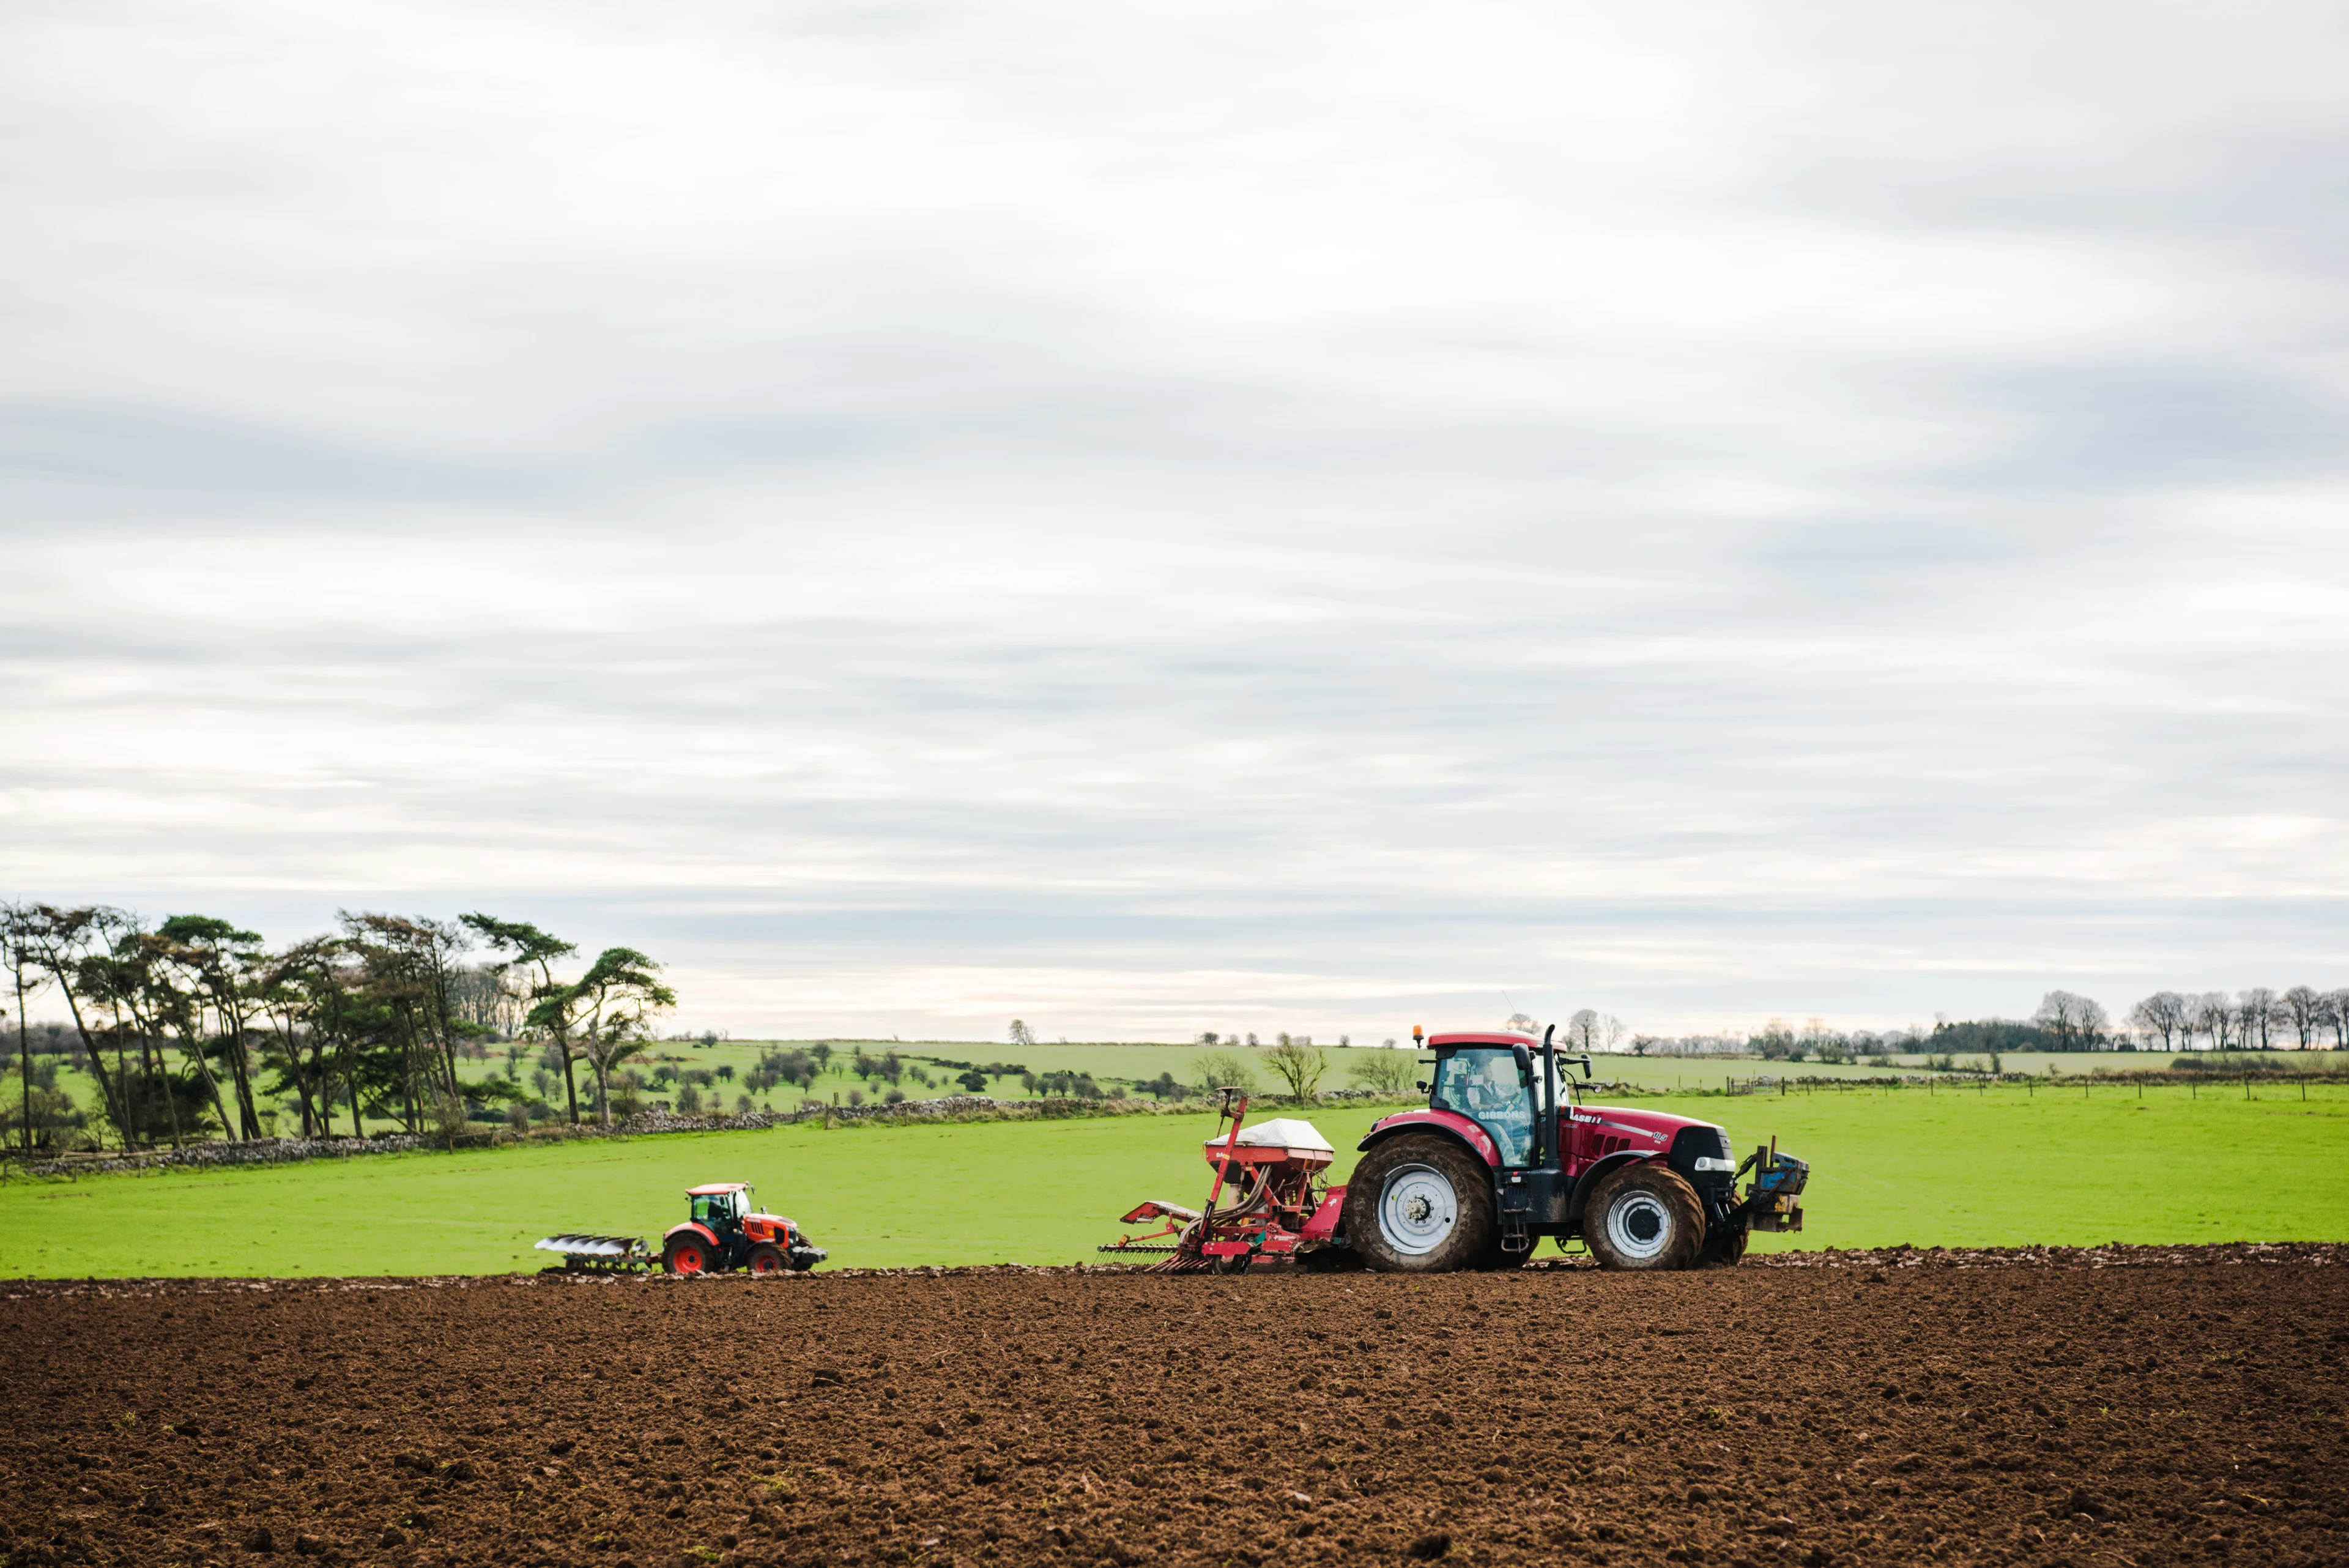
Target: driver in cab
(1497, 1095)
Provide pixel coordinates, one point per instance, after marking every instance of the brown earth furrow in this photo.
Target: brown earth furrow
(1878, 1412)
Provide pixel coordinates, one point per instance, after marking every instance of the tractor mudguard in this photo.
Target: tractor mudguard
(1588, 1183)
(1450, 1123)
(1324, 1223)
(698, 1229)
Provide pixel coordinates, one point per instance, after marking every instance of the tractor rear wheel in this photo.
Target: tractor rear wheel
(765, 1258)
(686, 1255)
(1421, 1206)
(1644, 1216)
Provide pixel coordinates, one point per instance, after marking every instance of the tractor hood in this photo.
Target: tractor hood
(1651, 1130)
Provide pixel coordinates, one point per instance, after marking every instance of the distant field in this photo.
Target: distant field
(1118, 1068)
(1965, 1167)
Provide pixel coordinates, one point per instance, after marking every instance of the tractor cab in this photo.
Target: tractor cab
(721, 1206)
(1510, 1089)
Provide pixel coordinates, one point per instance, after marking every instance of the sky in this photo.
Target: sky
(1177, 517)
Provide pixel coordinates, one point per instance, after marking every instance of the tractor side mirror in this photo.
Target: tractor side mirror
(1585, 1059)
(1524, 1060)
(1420, 1085)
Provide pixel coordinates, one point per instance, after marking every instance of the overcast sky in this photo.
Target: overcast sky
(1159, 517)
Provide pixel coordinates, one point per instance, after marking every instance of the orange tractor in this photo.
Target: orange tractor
(721, 1231)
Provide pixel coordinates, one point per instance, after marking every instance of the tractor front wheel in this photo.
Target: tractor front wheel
(1726, 1246)
(1421, 1206)
(686, 1255)
(767, 1259)
(1644, 1216)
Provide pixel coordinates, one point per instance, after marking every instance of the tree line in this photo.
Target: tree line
(2261, 1019)
(191, 1026)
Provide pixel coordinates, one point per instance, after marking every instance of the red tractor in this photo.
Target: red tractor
(721, 1233)
(724, 1232)
(1501, 1156)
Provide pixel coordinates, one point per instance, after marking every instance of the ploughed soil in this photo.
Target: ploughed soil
(2184, 1405)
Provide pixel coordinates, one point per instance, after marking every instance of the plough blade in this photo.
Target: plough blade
(572, 1245)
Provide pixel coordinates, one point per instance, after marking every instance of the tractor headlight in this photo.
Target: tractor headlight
(1705, 1162)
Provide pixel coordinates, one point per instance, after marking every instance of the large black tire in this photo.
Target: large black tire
(687, 1255)
(1644, 1216)
(1421, 1205)
(765, 1258)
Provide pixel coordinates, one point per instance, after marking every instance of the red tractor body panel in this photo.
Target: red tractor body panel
(694, 1226)
(1464, 1128)
(764, 1227)
(1594, 1132)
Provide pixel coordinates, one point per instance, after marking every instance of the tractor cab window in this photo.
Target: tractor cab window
(1485, 1083)
(719, 1207)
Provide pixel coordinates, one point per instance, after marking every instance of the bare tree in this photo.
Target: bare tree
(1020, 1034)
(2164, 1015)
(1223, 1070)
(1300, 1064)
(2255, 1016)
(2214, 1018)
(1523, 1023)
(2078, 1022)
(2303, 1009)
(1390, 1072)
(1583, 1030)
(2336, 1013)
(1610, 1029)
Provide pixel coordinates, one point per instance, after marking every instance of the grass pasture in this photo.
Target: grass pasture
(1966, 1168)
(1117, 1067)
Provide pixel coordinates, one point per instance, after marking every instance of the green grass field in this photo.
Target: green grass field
(1956, 1167)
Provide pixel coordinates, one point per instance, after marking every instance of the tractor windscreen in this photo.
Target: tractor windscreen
(718, 1207)
(1484, 1081)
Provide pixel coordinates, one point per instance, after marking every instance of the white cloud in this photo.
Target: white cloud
(1192, 510)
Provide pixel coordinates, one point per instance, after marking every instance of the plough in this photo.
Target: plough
(601, 1254)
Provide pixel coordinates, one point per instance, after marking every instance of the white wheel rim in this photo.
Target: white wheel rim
(1638, 1226)
(1417, 1210)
